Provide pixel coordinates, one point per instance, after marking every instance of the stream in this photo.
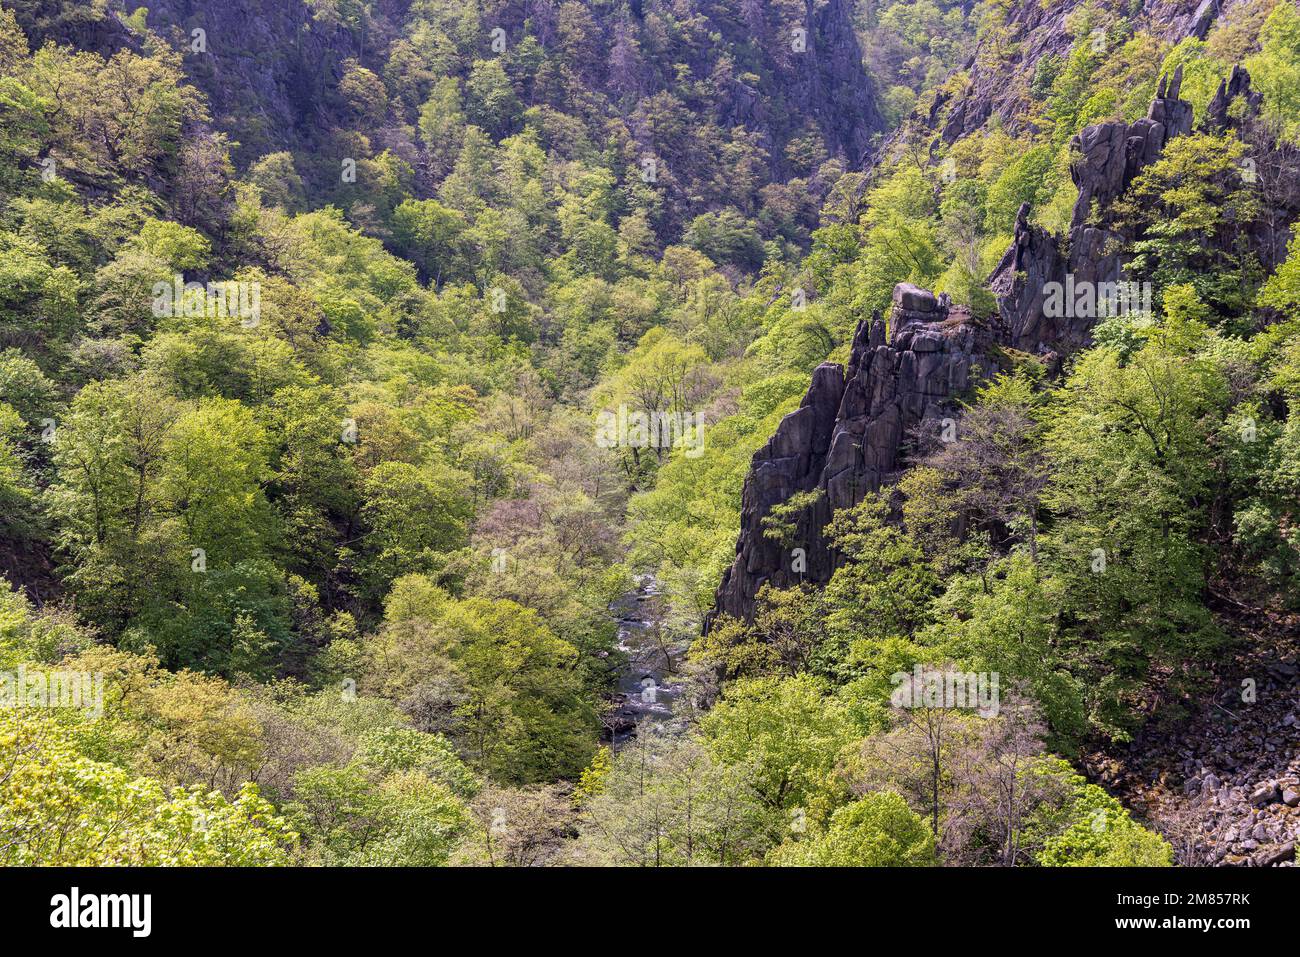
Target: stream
(646, 690)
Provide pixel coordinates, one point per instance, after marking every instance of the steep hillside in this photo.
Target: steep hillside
(910, 414)
(666, 95)
(1034, 41)
(847, 444)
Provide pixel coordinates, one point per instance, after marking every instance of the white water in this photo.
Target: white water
(647, 688)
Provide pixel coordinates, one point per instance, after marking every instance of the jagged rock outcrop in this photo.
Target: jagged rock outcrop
(1237, 86)
(1114, 153)
(900, 379)
(792, 461)
(1019, 283)
(1110, 157)
(849, 436)
(897, 377)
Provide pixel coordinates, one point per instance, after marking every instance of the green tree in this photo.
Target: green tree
(414, 513)
(878, 830)
(1130, 451)
(215, 463)
(1089, 828)
(788, 737)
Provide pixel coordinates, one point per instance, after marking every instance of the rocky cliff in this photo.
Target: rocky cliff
(1110, 156)
(854, 430)
(998, 76)
(268, 68)
(849, 436)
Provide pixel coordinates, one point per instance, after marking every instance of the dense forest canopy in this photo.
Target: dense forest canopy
(359, 362)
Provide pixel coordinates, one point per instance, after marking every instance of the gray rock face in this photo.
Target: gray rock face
(849, 437)
(792, 461)
(893, 385)
(1204, 18)
(1114, 153)
(832, 85)
(1020, 282)
(1039, 31)
(1110, 156)
(1237, 85)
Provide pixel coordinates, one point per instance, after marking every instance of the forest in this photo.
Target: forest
(650, 433)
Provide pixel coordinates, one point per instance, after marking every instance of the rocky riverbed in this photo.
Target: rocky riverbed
(647, 687)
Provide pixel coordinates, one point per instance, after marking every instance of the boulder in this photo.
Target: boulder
(1264, 795)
